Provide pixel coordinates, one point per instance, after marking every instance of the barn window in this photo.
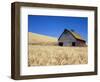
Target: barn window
(60, 43)
(73, 43)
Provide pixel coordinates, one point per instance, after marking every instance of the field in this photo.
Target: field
(42, 54)
(55, 55)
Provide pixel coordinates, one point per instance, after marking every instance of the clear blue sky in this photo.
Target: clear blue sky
(55, 25)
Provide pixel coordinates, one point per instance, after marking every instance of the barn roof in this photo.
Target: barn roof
(77, 36)
(74, 34)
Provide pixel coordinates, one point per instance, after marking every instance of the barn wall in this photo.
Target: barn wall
(67, 39)
(80, 43)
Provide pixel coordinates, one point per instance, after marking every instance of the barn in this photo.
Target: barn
(71, 38)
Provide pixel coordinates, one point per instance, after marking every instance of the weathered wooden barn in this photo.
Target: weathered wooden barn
(71, 38)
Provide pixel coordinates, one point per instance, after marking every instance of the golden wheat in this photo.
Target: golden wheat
(56, 55)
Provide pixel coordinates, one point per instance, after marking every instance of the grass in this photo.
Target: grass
(56, 55)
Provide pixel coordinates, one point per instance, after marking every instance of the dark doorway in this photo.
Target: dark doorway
(60, 43)
(73, 43)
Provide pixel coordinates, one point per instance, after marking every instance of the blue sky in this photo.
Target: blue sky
(55, 25)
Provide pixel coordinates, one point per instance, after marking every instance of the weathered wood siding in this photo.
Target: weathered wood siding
(80, 43)
(67, 39)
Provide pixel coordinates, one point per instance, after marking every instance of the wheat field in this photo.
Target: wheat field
(43, 51)
(56, 55)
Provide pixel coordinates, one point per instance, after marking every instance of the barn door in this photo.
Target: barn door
(60, 43)
(73, 43)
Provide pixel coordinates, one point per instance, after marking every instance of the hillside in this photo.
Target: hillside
(38, 38)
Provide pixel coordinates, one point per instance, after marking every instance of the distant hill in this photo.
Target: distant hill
(40, 39)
